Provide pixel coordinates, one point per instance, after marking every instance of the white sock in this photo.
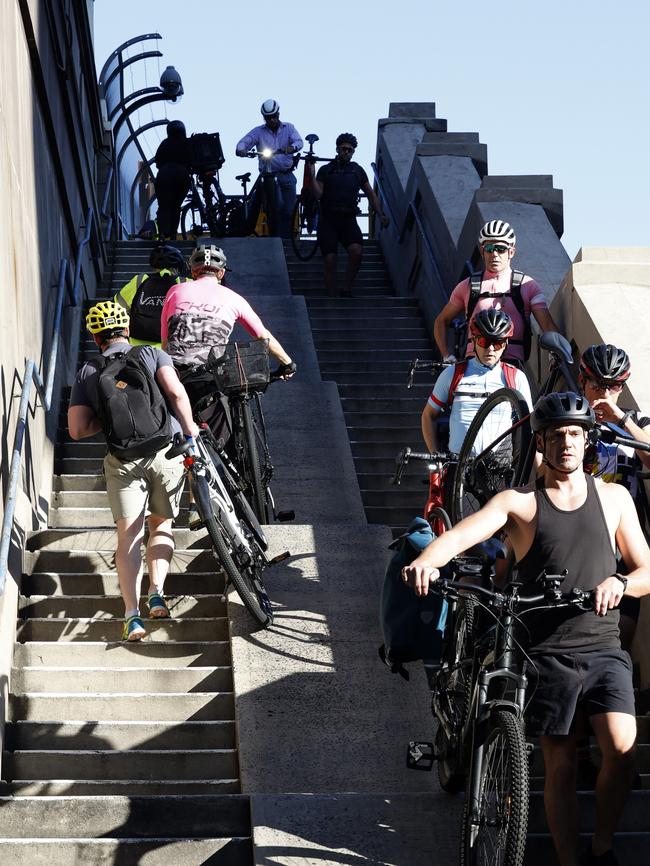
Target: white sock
(130, 613)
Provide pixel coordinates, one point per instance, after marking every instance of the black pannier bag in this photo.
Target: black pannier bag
(205, 152)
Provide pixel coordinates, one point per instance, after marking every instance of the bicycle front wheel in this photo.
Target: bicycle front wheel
(246, 577)
(192, 225)
(304, 238)
(252, 471)
(495, 818)
(492, 453)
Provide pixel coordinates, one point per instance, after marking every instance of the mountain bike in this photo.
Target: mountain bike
(499, 450)
(241, 373)
(206, 210)
(304, 238)
(485, 687)
(237, 539)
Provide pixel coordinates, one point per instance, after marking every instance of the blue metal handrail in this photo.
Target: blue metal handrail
(44, 391)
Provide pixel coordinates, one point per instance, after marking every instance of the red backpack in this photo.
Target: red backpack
(459, 371)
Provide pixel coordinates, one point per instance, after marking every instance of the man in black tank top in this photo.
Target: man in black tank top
(568, 520)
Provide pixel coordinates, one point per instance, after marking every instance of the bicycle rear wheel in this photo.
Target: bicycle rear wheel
(192, 222)
(304, 237)
(454, 692)
(495, 818)
(492, 453)
(242, 569)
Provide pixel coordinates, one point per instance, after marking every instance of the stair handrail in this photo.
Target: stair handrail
(44, 391)
(411, 215)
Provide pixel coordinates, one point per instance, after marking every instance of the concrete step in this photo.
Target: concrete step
(64, 560)
(402, 327)
(384, 390)
(104, 541)
(372, 406)
(634, 817)
(387, 420)
(103, 680)
(381, 305)
(106, 584)
(154, 851)
(392, 498)
(121, 817)
(122, 706)
(125, 736)
(383, 372)
(144, 764)
(385, 358)
(370, 481)
(117, 787)
(385, 450)
(418, 346)
(66, 629)
(394, 515)
(401, 435)
(86, 653)
(632, 849)
(112, 607)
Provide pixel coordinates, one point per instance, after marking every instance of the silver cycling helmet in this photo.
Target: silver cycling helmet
(208, 257)
(497, 230)
(269, 108)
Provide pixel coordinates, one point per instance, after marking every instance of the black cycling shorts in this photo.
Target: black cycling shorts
(560, 684)
(335, 229)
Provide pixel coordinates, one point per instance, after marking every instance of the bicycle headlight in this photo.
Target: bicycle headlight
(267, 153)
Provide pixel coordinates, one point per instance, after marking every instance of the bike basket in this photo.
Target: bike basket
(205, 152)
(242, 367)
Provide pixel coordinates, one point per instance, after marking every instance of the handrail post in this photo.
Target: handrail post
(90, 217)
(54, 348)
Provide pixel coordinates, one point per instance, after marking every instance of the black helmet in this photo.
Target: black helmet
(492, 323)
(176, 129)
(605, 362)
(167, 256)
(346, 138)
(561, 408)
(208, 257)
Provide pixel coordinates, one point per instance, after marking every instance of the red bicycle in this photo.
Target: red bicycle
(304, 236)
(439, 465)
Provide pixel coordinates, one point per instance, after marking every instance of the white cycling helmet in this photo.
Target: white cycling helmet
(207, 258)
(269, 108)
(497, 230)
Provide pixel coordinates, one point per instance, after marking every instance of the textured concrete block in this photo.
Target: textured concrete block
(475, 151)
(531, 189)
(412, 109)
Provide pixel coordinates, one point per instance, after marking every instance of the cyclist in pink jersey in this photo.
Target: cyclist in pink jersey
(516, 294)
(199, 315)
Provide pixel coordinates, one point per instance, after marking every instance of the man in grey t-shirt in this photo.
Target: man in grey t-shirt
(146, 484)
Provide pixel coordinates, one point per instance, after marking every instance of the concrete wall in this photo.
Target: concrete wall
(49, 131)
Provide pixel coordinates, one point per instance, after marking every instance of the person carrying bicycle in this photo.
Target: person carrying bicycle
(337, 185)
(497, 286)
(119, 394)
(173, 179)
(462, 388)
(604, 370)
(200, 315)
(284, 140)
(567, 519)
(143, 296)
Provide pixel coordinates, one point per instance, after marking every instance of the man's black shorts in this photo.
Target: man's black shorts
(598, 681)
(335, 229)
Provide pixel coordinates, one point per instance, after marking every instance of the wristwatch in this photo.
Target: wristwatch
(623, 580)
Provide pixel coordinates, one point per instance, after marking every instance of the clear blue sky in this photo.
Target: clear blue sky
(555, 88)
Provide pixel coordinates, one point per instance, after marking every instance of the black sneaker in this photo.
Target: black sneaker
(606, 859)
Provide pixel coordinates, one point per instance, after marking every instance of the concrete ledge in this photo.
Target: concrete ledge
(412, 109)
(258, 266)
(476, 152)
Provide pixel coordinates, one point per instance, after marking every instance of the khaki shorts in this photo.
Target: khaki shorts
(151, 484)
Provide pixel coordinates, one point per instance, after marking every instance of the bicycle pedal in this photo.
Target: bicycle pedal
(282, 516)
(280, 557)
(420, 755)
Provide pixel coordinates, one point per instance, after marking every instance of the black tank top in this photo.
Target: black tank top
(580, 542)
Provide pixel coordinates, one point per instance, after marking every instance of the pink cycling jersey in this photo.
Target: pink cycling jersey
(499, 284)
(201, 314)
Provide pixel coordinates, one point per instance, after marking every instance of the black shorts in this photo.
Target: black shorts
(598, 681)
(335, 229)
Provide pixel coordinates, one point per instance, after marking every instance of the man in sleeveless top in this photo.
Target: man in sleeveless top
(496, 242)
(567, 519)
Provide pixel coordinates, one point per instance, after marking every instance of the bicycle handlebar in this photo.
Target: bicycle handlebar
(417, 364)
(499, 599)
(610, 433)
(406, 454)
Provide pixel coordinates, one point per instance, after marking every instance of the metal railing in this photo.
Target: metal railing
(44, 391)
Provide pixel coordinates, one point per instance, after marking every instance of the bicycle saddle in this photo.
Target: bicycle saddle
(312, 137)
(554, 342)
(245, 177)
(489, 551)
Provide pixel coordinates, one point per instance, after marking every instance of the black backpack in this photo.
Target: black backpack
(516, 280)
(147, 304)
(130, 405)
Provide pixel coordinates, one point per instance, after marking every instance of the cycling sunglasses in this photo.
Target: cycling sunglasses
(602, 386)
(485, 342)
(496, 248)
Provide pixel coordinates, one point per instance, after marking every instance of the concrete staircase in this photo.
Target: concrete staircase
(365, 344)
(118, 753)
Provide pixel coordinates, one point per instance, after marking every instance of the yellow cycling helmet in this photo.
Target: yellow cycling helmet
(106, 316)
